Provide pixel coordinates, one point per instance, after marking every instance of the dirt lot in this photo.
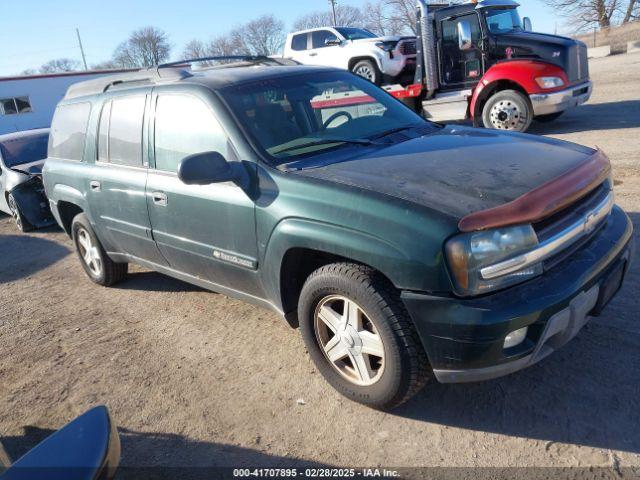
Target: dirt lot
(195, 378)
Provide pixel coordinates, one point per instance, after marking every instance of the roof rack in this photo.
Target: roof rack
(264, 59)
(151, 75)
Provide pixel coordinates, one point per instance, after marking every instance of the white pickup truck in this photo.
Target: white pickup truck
(378, 59)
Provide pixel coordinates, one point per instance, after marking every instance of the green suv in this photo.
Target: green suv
(403, 249)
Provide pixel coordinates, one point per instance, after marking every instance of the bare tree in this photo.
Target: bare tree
(60, 65)
(145, 47)
(633, 12)
(602, 13)
(263, 36)
(402, 15)
(346, 16)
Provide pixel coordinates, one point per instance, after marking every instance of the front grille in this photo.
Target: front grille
(407, 47)
(578, 63)
(551, 226)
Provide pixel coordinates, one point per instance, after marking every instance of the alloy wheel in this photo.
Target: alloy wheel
(349, 340)
(15, 213)
(89, 252)
(365, 71)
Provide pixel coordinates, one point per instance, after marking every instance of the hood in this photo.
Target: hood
(31, 168)
(457, 170)
(566, 53)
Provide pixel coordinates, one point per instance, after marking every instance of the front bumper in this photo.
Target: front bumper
(464, 338)
(547, 103)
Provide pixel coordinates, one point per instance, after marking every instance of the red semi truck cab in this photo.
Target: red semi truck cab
(482, 61)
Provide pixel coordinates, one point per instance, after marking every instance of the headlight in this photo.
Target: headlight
(386, 46)
(550, 82)
(467, 254)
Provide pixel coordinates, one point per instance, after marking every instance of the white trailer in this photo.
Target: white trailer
(28, 102)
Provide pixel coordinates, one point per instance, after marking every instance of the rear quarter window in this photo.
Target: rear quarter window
(69, 131)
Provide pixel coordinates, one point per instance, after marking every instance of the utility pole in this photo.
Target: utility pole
(84, 60)
(333, 8)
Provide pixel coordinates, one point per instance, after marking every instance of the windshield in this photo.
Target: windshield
(503, 20)
(355, 33)
(23, 150)
(304, 115)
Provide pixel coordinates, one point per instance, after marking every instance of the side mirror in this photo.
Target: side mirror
(205, 168)
(87, 448)
(464, 35)
(526, 24)
(332, 42)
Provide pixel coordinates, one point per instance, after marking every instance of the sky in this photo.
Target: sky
(36, 31)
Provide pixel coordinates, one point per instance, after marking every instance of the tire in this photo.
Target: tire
(21, 222)
(549, 118)
(393, 375)
(508, 110)
(368, 69)
(96, 263)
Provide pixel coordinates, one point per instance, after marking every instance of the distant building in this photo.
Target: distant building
(28, 102)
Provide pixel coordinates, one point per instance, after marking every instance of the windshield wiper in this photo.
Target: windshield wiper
(325, 141)
(386, 133)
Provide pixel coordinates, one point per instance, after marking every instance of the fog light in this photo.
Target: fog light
(515, 338)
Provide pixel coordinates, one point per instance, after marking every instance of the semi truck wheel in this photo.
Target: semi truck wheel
(95, 261)
(369, 70)
(360, 336)
(548, 118)
(508, 110)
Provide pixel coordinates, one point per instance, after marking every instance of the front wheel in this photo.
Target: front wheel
(21, 222)
(508, 110)
(369, 70)
(360, 336)
(95, 261)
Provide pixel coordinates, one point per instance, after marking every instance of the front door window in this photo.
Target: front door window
(461, 67)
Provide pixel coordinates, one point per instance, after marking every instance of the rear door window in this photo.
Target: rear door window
(68, 131)
(125, 130)
(299, 42)
(185, 125)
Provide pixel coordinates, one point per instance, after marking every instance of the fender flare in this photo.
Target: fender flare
(520, 74)
(323, 237)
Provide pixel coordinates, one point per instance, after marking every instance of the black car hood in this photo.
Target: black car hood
(533, 38)
(457, 170)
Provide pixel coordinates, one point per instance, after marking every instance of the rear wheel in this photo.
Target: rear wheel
(548, 118)
(369, 70)
(508, 110)
(96, 263)
(360, 336)
(21, 222)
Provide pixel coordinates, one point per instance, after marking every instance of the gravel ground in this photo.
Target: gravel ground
(197, 379)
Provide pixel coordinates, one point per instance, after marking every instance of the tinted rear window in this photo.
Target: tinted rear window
(68, 131)
(24, 150)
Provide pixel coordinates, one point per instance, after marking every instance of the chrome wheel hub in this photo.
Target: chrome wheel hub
(89, 252)
(506, 115)
(349, 340)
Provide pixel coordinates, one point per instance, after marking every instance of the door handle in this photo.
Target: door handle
(95, 185)
(313, 54)
(160, 198)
